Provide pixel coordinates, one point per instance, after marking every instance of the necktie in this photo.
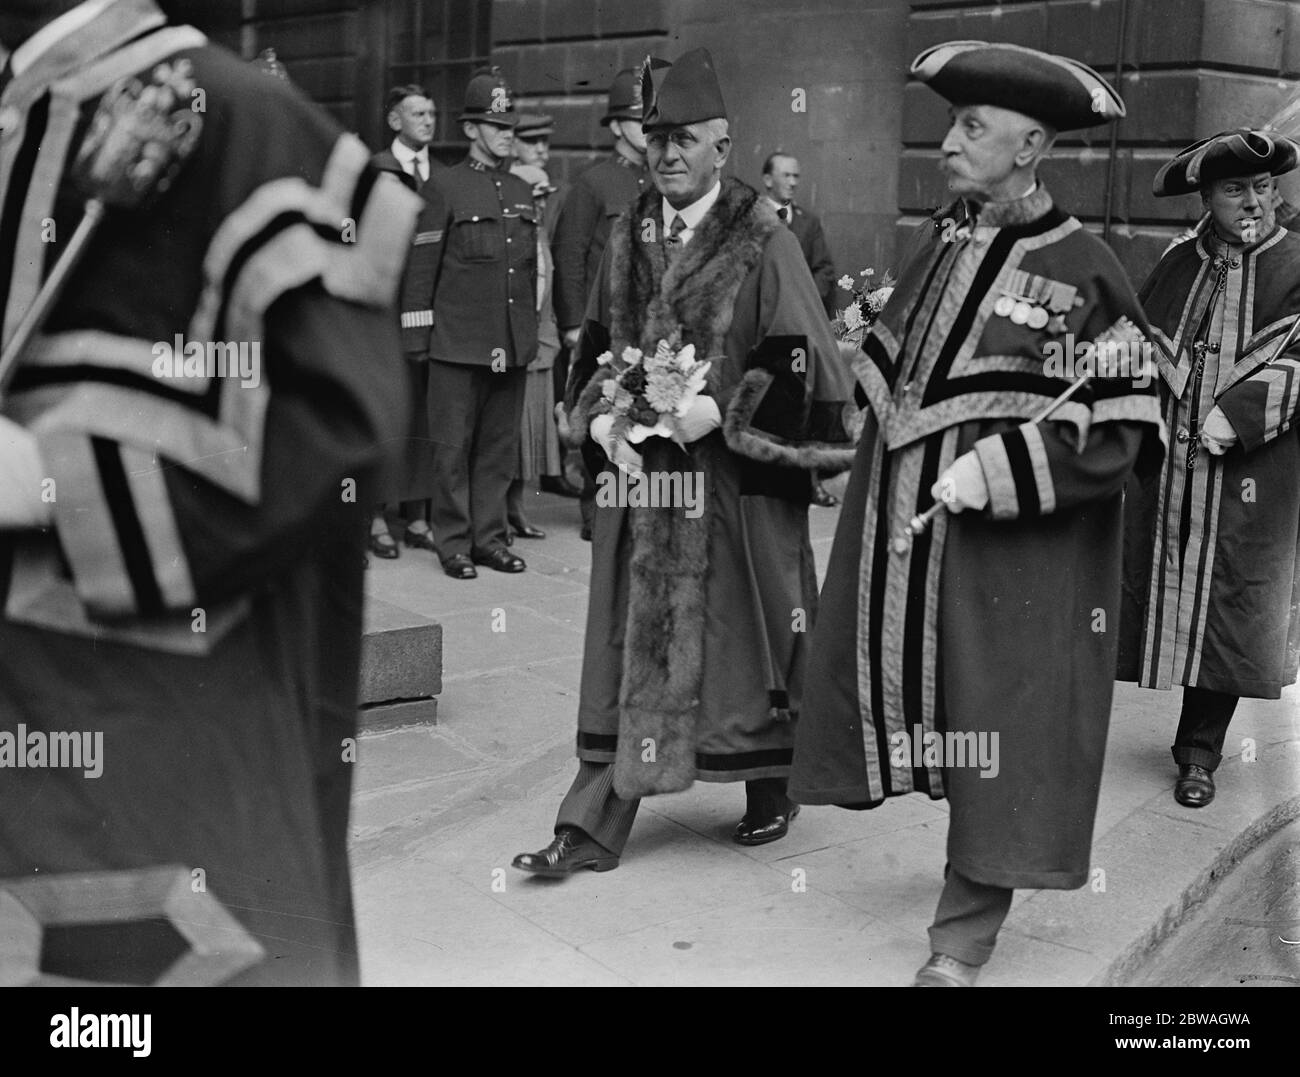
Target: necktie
(673, 241)
(784, 214)
(421, 169)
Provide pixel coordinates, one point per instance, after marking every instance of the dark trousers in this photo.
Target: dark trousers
(1202, 727)
(591, 805)
(409, 511)
(474, 416)
(968, 918)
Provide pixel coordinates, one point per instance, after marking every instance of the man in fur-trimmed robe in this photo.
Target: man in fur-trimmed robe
(1213, 557)
(696, 629)
(181, 530)
(973, 660)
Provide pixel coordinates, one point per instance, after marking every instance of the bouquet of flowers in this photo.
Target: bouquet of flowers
(852, 323)
(648, 394)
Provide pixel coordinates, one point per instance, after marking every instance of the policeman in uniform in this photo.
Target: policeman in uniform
(591, 206)
(484, 236)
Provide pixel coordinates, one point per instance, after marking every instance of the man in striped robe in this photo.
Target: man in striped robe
(185, 459)
(992, 631)
(1213, 562)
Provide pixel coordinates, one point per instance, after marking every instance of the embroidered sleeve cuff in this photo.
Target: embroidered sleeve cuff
(1263, 406)
(1018, 474)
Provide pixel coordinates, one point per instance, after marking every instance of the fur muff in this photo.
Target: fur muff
(747, 440)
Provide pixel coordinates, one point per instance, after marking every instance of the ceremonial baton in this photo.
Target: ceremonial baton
(137, 141)
(1123, 331)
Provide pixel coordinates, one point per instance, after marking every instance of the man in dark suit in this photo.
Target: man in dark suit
(411, 117)
(483, 235)
(781, 178)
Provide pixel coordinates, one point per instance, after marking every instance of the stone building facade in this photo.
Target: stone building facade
(822, 79)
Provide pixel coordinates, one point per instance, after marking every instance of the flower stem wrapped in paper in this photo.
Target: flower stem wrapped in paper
(649, 396)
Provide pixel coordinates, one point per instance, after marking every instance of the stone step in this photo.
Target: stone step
(401, 667)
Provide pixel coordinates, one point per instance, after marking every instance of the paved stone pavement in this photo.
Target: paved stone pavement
(844, 899)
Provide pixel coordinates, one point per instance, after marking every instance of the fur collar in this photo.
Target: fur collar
(652, 299)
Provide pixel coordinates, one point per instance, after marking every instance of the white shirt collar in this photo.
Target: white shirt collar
(405, 155)
(694, 213)
(69, 22)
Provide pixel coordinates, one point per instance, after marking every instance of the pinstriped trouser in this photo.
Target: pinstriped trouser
(591, 805)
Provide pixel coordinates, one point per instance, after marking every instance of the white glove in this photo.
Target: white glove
(701, 418)
(963, 485)
(21, 476)
(1217, 434)
(619, 452)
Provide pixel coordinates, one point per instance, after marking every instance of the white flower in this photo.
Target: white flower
(852, 315)
(868, 272)
(604, 358)
(631, 355)
(876, 300)
(686, 358)
(610, 387)
(846, 282)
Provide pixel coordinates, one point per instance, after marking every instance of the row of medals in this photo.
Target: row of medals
(1021, 311)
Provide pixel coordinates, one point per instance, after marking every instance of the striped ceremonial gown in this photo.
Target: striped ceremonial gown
(995, 623)
(197, 600)
(1212, 557)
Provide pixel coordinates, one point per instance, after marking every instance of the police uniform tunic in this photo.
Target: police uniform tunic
(484, 237)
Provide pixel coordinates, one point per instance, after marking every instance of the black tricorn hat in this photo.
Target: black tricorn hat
(675, 94)
(1058, 91)
(1242, 152)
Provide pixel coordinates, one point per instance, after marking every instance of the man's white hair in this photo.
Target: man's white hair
(716, 129)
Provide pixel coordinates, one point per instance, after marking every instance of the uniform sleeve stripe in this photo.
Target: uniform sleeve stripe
(1042, 469)
(416, 319)
(145, 475)
(127, 527)
(1003, 502)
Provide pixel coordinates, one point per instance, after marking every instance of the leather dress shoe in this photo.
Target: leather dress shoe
(382, 545)
(420, 540)
(500, 559)
(558, 484)
(585, 533)
(528, 531)
(460, 567)
(823, 497)
(1195, 786)
(570, 850)
(759, 831)
(944, 971)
